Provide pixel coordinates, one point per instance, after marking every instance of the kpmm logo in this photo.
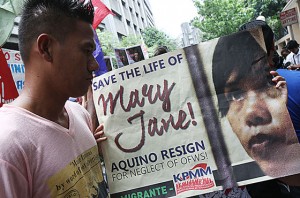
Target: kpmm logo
(198, 178)
(197, 171)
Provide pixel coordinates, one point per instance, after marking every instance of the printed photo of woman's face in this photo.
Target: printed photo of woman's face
(255, 109)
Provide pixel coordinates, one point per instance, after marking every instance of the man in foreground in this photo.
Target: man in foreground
(47, 148)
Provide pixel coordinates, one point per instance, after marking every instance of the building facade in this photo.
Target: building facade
(13, 40)
(131, 17)
(190, 35)
(293, 31)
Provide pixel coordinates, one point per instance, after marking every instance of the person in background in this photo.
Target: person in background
(161, 50)
(277, 60)
(290, 185)
(284, 54)
(294, 58)
(47, 148)
(130, 55)
(292, 78)
(123, 59)
(137, 56)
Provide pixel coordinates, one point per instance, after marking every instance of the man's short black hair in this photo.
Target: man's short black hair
(54, 17)
(292, 44)
(284, 49)
(267, 32)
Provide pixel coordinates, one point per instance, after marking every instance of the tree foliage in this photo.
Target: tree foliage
(270, 9)
(108, 42)
(130, 40)
(151, 36)
(222, 17)
(154, 38)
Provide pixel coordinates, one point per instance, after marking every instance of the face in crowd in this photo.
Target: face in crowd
(285, 53)
(293, 46)
(136, 57)
(76, 54)
(60, 47)
(294, 50)
(255, 109)
(123, 59)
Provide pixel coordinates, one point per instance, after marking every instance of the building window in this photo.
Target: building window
(128, 22)
(120, 36)
(130, 9)
(101, 29)
(117, 15)
(134, 26)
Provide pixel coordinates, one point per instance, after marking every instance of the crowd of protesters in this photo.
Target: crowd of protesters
(42, 132)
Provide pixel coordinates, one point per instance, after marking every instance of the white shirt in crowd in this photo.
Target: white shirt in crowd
(294, 58)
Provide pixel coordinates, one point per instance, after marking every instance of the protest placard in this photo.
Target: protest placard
(121, 57)
(129, 55)
(195, 120)
(16, 66)
(135, 54)
(8, 91)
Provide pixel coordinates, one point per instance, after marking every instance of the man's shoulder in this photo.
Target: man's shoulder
(290, 56)
(11, 132)
(78, 112)
(8, 113)
(74, 106)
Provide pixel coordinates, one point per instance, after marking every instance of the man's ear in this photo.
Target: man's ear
(45, 46)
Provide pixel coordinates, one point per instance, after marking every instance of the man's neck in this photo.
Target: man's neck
(44, 105)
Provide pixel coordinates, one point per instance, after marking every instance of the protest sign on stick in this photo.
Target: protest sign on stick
(8, 91)
(135, 54)
(195, 120)
(121, 57)
(16, 66)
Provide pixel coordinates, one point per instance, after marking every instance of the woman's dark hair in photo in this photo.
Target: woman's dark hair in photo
(267, 32)
(236, 56)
